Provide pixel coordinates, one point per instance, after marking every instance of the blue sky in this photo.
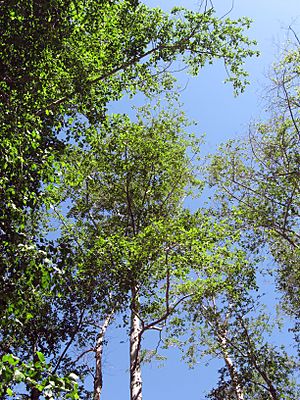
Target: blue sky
(221, 116)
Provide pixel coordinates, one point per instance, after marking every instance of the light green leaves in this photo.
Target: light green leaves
(35, 375)
(124, 181)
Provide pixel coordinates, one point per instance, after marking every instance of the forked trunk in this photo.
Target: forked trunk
(135, 346)
(98, 380)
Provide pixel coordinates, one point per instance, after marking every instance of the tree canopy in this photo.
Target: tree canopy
(259, 176)
(94, 226)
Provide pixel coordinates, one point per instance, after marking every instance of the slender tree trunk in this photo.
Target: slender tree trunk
(238, 390)
(98, 380)
(135, 346)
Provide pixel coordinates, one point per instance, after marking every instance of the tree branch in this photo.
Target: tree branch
(70, 341)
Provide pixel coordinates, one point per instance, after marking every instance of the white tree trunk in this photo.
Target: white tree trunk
(135, 346)
(238, 390)
(98, 380)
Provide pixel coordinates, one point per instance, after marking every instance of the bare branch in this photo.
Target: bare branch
(287, 97)
(294, 33)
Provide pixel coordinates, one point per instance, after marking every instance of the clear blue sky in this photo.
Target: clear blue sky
(221, 116)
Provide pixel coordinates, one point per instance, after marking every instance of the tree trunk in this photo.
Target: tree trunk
(35, 394)
(238, 390)
(135, 346)
(98, 380)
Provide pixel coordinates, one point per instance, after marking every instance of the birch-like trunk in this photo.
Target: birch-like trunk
(98, 380)
(135, 346)
(238, 390)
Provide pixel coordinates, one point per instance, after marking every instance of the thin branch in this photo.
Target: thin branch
(128, 198)
(145, 195)
(81, 355)
(70, 341)
(257, 158)
(287, 97)
(159, 342)
(229, 11)
(288, 206)
(295, 34)
(166, 314)
(167, 286)
(256, 192)
(156, 328)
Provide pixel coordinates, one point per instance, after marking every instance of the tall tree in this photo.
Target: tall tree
(63, 60)
(259, 176)
(125, 195)
(130, 184)
(68, 58)
(231, 327)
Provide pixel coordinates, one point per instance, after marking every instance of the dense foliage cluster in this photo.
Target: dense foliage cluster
(93, 223)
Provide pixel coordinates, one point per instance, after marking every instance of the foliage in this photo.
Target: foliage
(235, 330)
(37, 376)
(62, 63)
(60, 59)
(259, 178)
(74, 57)
(124, 193)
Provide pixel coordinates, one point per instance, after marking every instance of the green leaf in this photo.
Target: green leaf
(19, 376)
(9, 358)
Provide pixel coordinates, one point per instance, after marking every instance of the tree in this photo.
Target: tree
(63, 60)
(259, 178)
(255, 368)
(230, 326)
(95, 53)
(141, 246)
(131, 185)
